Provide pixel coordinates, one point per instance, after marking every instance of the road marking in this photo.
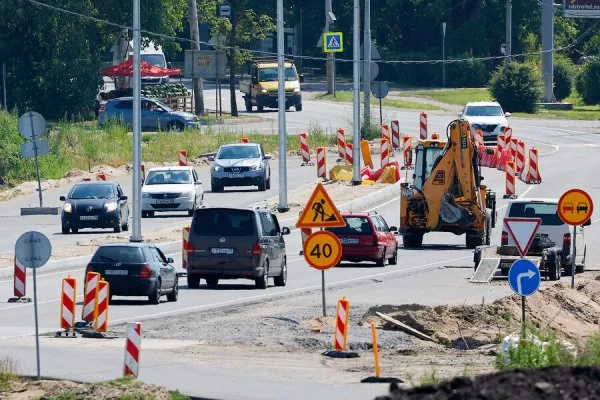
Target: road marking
(522, 195)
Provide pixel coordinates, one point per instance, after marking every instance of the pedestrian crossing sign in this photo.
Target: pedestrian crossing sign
(333, 42)
(320, 212)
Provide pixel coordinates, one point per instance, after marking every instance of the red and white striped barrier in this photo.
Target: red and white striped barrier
(349, 155)
(341, 144)
(479, 137)
(182, 158)
(67, 303)
(385, 152)
(101, 307)
(385, 133)
(341, 324)
(133, 345)
(19, 279)
(395, 135)
(322, 163)
(89, 296)
(406, 148)
(531, 173)
(101, 177)
(520, 159)
(185, 245)
(487, 156)
(304, 149)
(423, 126)
(510, 180)
(500, 145)
(513, 148)
(508, 134)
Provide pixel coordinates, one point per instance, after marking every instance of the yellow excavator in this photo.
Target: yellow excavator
(446, 194)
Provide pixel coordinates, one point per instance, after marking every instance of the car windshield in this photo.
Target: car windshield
(237, 152)
(154, 59)
(270, 74)
(354, 226)
(484, 111)
(163, 105)
(121, 254)
(92, 192)
(169, 177)
(211, 222)
(548, 212)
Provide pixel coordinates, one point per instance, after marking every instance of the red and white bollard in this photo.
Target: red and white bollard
(322, 163)
(479, 137)
(385, 133)
(89, 296)
(500, 145)
(349, 155)
(510, 180)
(508, 134)
(423, 126)
(133, 345)
(341, 144)
(520, 159)
(513, 148)
(304, 149)
(395, 135)
(406, 148)
(67, 303)
(385, 152)
(185, 246)
(182, 158)
(101, 177)
(341, 324)
(20, 279)
(533, 170)
(101, 307)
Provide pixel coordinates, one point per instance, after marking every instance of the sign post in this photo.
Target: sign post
(575, 207)
(31, 126)
(322, 250)
(33, 250)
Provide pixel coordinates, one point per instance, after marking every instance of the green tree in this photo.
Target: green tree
(517, 87)
(589, 82)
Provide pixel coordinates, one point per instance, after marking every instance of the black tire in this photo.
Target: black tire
(269, 183)
(260, 108)
(474, 239)
(281, 280)
(216, 188)
(263, 185)
(299, 107)
(126, 226)
(174, 295)
(74, 230)
(119, 227)
(212, 282)
(488, 230)
(151, 214)
(248, 103)
(381, 261)
(144, 214)
(553, 269)
(580, 268)
(65, 230)
(394, 259)
(110, 299)
(176, 126)
(193, 281)
(154, 298)
(412, 240)
(263, 281)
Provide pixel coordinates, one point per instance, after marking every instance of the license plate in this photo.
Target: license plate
(116, 272)
(222, 250)
(506, 265)
(348, 240)
(165, 201)
(88, 218)
(407, 192)
(236, 175)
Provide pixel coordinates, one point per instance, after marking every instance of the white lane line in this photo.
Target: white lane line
(384, 204)
(524, 194)
(596, 220)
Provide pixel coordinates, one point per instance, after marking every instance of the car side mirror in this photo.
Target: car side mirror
(169, 65)
(211, 158)
(255, 81)
(62, 198)
(460, 115)
(123, 197)
(198, 182)
(393, 229)
(170, 260)
(301, 78)
(507, 114)
(267, 157)
(285, 230)
(588, 222)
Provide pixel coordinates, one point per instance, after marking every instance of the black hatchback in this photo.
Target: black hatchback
(136, 269)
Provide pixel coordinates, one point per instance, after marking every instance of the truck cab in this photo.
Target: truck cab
(261, 89)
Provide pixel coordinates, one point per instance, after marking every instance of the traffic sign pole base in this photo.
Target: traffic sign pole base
(381, 379)
(19, 299)
(66, 334)
(510, 196)
(308, 164)
(340, 354)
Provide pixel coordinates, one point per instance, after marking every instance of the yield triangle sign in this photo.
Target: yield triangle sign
(320, 212)
(522, 231)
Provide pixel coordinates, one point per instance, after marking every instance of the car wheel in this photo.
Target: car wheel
(259, 108)
(126, 226)
(151, 214)
(65, 230)
(110, 299)
(474, 239)
(412, 240)
(193, 281)
(154, 298)
(269, 183)
(580, 268)
(394, 259)
(212, 282)
(176, 126)
(299, 107)
(248, 104)
(216, 188)
(263, 281)
(74, 230)
(263, 185)
(174, 295)
(553, 269)
(144, 214)
(381, 261)
(119, 227)
(281, 280)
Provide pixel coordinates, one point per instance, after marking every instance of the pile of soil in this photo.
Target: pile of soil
(543, 384)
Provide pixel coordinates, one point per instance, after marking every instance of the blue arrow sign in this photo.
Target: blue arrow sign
(524, 277)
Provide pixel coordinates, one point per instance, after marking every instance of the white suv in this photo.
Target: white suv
(487, 116)
(171, 189)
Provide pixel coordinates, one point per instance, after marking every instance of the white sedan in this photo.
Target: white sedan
(171, 189)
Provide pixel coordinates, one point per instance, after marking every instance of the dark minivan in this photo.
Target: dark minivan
(232, 243)
(136, 269)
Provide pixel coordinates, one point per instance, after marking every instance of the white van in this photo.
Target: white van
(152, 54)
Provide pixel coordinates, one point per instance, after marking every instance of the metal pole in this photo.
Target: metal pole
(523, 317)
(35, 313)
(380, 113)
(574, 257)
(548, 50)
(283, 204)
(35, 153)
(4, 84)
(367, 66)
(217, 86)
(356, 88)
(333, 72)
(136, 206)
(508, 48)
(323, 292)
(329, 62)
(444, 54)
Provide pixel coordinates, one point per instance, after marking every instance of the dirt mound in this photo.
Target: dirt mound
(573, 313)
(544, 384)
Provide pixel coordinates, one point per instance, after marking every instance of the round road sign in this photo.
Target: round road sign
(32, 123)
(575, 207)
(33, 249)
(322, 250)
(379, 89)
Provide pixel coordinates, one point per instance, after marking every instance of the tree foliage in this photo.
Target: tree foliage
(588, 83)
(563, 77)
(517, 87)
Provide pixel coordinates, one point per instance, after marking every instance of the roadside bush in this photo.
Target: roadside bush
(588, 83)
(472, 73)
(10, 145)
(563, 78)
(517, 87)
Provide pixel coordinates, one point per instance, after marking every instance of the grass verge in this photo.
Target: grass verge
(347, 97)
(8, 371)
(452, 96)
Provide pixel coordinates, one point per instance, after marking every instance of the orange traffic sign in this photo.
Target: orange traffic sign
(575, 207)
(322, 250)
(320, 212)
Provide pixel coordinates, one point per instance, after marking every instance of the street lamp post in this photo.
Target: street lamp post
(136, 206)
(444, 54)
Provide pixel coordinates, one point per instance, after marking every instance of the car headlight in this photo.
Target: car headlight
(256, 167)
(67, 207)
(264, 91)
(187, 194)
(216, 167)
(146, 195)
(110, 207)
(297, 90)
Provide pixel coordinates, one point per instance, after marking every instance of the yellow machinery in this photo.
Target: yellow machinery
(446, 194)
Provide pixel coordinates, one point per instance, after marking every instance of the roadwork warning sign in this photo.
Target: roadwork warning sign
(320, 212)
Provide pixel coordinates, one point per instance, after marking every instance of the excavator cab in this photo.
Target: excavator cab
(427, 154)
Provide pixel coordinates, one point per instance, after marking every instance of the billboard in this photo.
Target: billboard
(582, 8)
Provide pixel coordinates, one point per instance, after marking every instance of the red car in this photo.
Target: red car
(367, 237)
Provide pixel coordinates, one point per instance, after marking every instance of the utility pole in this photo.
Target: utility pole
(356, 179)
(330, 63)
(136, 204)
(236, 6)
(367, 66)
(283, 204)
(548, 50)
(444, 54)
(508, 47)
(195, 37)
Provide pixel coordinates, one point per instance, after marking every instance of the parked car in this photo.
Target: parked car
(240, 164)
(367, 237)
(95, 205)
(154, 115)
(232, 243)
(136, 269)
(171, 189)
(487, 116)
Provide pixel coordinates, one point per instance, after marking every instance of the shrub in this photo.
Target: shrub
(516, 86)
(472, 73)
(588, 83)
(563, 78)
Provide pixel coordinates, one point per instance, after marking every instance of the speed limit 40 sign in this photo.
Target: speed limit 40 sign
(322, 250)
